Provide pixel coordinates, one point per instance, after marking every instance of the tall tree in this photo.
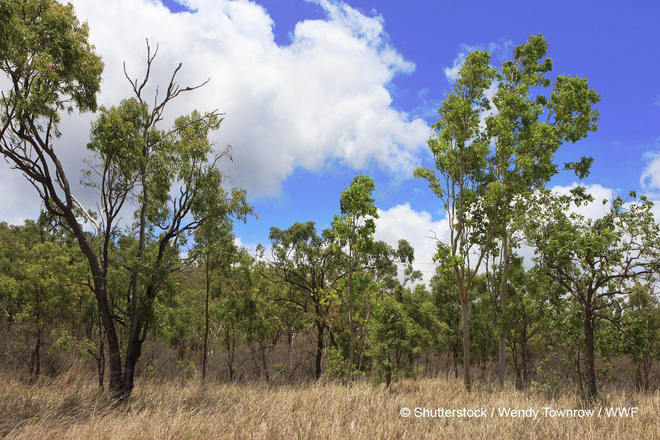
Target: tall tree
(354, 228)
(460, 150)
(527, 131)
(641, 332)
(482, 188)
(51, 67)
(135, 160)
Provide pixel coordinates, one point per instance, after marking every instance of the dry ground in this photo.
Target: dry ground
(71, 409)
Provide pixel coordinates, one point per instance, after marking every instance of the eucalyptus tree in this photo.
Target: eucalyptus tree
(354, 228)
(596, 261)
(51, 68)
(308, 264)
(489, 155)
(460, 150)
(392, 338)
(215, 247)
(533, 116)
(168, 174)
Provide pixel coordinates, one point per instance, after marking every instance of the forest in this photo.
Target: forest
(149, 283)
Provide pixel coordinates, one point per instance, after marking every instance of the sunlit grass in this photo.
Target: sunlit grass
(71, 409)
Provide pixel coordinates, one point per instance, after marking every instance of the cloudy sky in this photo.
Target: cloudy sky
(317, 91)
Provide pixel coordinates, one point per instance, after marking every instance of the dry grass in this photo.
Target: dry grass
(65, 409)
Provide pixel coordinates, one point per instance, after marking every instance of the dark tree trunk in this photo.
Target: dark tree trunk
(35, 362)
(388, 376)
(230, 345)
(264, 361)
(133, 353)
(103, 303)
(320, 328)
(100, 358)
(590, 353)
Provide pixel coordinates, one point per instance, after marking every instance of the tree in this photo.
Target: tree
(641, 332)
(392, 338)
(307, 263)
(216, 248)
(527, 131)
(596, 261)
(460, 150)
(51, 67)
(479, 185)
(39, 278)
(355, 228)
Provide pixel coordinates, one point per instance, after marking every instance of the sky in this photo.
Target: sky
(317, 91)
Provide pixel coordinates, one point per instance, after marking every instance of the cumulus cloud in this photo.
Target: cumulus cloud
(592, 210)
(419, 228)
(322, 97)
(650, 178)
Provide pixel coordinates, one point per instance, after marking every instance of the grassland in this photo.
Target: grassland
(69, 408)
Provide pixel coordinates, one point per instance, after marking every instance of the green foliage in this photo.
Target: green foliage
(392, 346)
(335, 363)
(44, 49)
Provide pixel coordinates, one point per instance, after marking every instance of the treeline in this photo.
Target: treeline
(285, 314)
(154, 262)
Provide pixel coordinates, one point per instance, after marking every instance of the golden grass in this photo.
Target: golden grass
(62, 410)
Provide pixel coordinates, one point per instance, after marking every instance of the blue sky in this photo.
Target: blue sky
(612, 43)
(317, 91)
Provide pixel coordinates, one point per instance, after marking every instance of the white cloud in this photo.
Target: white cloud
(323, 97)
(650, 178)
(250, 247)
(592, 210)
(419, 228)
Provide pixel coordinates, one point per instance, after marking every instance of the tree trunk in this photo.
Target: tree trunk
(516, 364)
(350, 311)
(320, 328)
(388, 376)
(467, 379)
(100, 360)
(133, 352)
(206, 319)
(289, 349)
(501, 364)
(35, 364)
(590, 354)
(264, 361)
(103, 303)
(230, 344)
(134, 346)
